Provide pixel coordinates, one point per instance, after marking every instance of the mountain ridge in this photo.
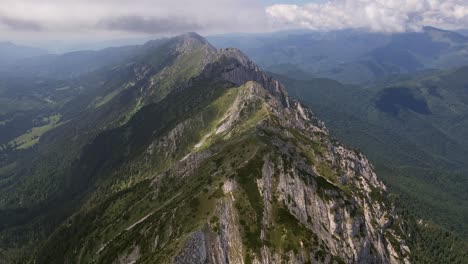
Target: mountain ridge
(218, 166)
(237, 69)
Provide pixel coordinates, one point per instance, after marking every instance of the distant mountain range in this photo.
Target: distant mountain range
(351, 56)
(463, 32)
(10, 52)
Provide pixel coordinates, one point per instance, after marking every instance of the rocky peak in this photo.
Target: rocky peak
(233, 66)
(189, 41)
(231, 170)
(178, 45)
(193, 35)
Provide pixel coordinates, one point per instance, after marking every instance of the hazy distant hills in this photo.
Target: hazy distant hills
(10, 52)
(68, 65)
(351, 56)
(463, 32)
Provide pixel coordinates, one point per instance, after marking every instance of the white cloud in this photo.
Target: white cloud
(374, 15)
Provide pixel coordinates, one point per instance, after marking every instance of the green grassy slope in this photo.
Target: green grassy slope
(39, 187)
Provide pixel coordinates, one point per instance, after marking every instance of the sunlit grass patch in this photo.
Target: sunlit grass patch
(32, 136)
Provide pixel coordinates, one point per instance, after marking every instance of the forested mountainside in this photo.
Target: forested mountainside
(182, 153)
(413, 129)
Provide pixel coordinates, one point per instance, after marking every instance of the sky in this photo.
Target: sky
(109, 19)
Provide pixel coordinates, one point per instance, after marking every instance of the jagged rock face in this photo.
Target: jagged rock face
(250, 177)
(234, 66)
(346, 225)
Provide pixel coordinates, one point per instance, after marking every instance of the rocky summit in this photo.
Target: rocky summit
(198, 156)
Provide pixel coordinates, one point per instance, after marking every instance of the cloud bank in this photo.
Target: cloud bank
(373, 15)
(60, 19)
(98, 17)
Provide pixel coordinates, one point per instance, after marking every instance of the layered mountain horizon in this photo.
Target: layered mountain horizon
(352, 56)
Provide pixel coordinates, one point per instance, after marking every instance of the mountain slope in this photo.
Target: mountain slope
(187, 154)
(38, 186)
(259, 180)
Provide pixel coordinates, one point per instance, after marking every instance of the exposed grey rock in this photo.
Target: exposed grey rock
(350, 225)
(194, 250)
(130, 258)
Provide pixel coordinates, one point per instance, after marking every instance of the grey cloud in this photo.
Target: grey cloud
(152, 25)
(108, 18)
(20, 24)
